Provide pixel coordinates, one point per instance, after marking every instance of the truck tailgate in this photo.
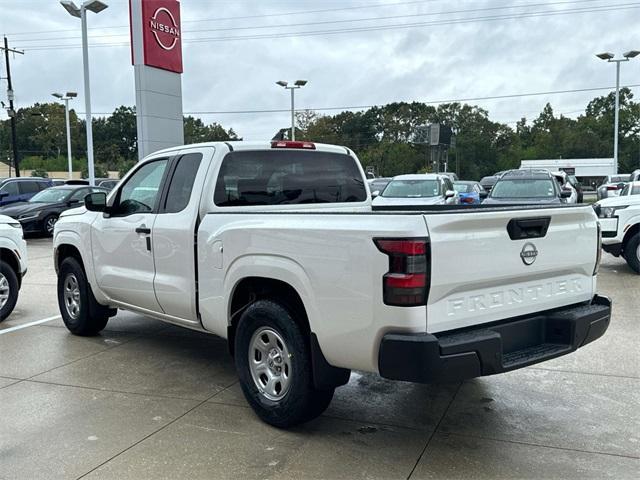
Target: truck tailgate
(493, 265)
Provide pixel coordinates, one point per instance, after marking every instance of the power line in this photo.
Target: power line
(427, 102)
(353, 20)
(539, 14)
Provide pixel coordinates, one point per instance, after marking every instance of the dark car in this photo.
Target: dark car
(488, 182)
(14, 190)
(41, 212)
(526, 187)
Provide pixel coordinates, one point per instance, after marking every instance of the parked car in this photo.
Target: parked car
(565, 185)
(40, 213)
(418, 189)
(631, 188)
(635, 176)
(619, 218)
(469, 192)
(575, 183)
(107, 183)
(280, 252)
(21, 189)
(13, 264)
(488, 182)
(452, 176)
(56, 182)
(612, 185)
(526, 187)
(378, 184)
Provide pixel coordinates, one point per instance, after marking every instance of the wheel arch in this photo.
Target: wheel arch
(251, 289)
(8, 256)
(635, 229)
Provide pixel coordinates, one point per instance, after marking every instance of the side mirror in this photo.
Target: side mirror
(96, 202)
(375, 194)
(449, 194)
(565, 193)
(484, 194)
(621, 186)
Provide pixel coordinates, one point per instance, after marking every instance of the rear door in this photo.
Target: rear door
(498, 264)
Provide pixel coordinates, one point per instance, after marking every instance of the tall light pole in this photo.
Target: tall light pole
(297, 84)
(610, 57)
(95, 6)
(65, 99)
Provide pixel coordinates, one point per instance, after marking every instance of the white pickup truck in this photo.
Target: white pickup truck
(276, 248)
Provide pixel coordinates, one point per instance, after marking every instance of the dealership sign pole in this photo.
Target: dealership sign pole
(156, 54)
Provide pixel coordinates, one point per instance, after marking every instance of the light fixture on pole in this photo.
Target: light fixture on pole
(65, 99)
(95, 6)
(297, 84)
(610, 57)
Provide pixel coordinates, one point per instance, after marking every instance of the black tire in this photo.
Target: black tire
(8, 287)
(632, 252)
(88, 317)
(302, 401)
(48, 224)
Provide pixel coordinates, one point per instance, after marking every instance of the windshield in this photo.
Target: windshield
(462, 187)
(630, 189)
(51, 195)
(412, 189)
(524, 188)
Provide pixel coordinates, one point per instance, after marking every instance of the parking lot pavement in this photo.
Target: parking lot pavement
(148, 400)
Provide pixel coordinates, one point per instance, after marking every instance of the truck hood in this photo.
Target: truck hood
(73, 211)
(620, 201)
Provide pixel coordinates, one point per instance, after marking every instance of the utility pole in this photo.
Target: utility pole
(11, 111)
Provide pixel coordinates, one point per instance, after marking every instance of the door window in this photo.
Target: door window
(182, 183)
(28, 188)
(10, 189)
(79, 195)
(140, 193)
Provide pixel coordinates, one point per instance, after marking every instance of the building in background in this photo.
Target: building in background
(590, 171)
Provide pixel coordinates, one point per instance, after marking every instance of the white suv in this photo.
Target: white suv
(13, 263)
(620, 221)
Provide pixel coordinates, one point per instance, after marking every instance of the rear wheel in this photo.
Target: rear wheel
(80, 311)
(273, 360)
(632, 252)
(8, 290)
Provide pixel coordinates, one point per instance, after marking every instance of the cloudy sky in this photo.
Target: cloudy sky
(352, 52)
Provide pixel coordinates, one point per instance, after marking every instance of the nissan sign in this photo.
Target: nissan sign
(161, 34)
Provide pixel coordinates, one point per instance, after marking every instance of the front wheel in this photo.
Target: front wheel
(632, 252)
(80, 311)
(48, 224)
(8, 290)
(273, 360)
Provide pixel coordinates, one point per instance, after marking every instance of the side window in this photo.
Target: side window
(279, 177)
(10, 188)
(182, 183)
(28, 187)
(43, 185)
(140, 193)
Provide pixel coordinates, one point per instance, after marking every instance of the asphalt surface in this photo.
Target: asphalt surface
(147, 400)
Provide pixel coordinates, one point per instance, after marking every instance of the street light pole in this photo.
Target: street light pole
(96, 6)
(69, 96)
(297, 84)
(610, 58)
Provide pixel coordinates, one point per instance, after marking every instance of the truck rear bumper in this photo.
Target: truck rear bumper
(493, 348)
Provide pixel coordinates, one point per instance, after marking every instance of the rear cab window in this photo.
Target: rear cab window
(279, 177)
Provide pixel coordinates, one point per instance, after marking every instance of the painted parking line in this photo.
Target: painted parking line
(30, 324)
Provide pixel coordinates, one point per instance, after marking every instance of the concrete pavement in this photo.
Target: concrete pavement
(148, 400)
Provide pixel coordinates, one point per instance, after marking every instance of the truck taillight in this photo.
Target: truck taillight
(406, 284)
(293, 144)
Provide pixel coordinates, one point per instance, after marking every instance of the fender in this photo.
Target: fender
(69, 237)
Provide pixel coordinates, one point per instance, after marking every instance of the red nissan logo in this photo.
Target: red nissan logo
(165, 28)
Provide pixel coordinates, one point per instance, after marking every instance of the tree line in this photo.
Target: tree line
(383, 137)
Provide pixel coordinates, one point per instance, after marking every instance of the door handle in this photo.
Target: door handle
(521, 228)
(145, 230)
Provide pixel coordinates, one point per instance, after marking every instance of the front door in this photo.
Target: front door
(121, 241)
